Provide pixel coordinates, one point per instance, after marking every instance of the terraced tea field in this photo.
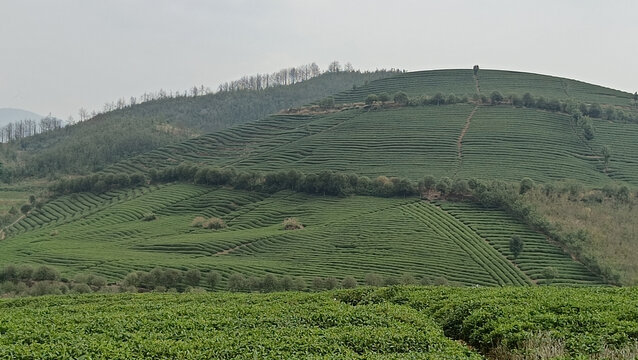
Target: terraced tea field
(342, 236)
(500, 142)
(385, 323)
(461, 83)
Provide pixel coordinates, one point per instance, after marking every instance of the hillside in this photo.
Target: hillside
(107, 235)
(116, 135)
(467, 139)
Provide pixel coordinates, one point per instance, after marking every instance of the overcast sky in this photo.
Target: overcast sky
(58, 56)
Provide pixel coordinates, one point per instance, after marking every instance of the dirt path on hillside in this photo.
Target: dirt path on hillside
(228, 251)
(3, 235)
(459, 142)
(476, 83)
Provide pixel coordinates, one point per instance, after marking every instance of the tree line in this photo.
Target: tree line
(20, 129)
(25, 280)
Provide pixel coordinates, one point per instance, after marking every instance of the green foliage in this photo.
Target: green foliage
(327, 103)
(496, 98)
(401, 98)
(371, 99)
(213, 279)
(117, 135)
(245, 326)
(384, 96)
(25, 208)
(550, 273)
(516, 246)
(44, 272)
(349, 282)
(526, 185)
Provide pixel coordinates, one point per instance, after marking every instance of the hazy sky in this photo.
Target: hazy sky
(58, 56)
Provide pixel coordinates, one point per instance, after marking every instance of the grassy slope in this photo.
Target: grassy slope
(342, 236)
(611, 225)
(392, 323)
(119, 134)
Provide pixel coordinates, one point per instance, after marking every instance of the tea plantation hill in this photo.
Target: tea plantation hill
(460, 140)
(105, 233)
(116, 135)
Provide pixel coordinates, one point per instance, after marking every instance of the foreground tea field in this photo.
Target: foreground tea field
(342, 237)
(387, 323)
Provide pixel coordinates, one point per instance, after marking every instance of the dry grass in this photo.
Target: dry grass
(541, 346)
(198, 221)
(212, 223)
(292, 224)
(612, 226)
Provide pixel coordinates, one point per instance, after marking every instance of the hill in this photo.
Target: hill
(128, 225)
(8, 115)
(469, 137)
(116, 135)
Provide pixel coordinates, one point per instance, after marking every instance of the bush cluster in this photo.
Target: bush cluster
(44, 280)
(214, 223)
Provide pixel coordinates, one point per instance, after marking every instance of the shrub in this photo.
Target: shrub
(526, 185)
(331, 283)
(318, 283)
(401, 98)
(408, 279)
(46, 273)
(371, 99)
(516, 245)
(550, 273)
(236, 282)
(192, 277)
(349, 282)
(94, 281)
(25, 208)
(292, 224)
(149, 217)
(214, 223)
(81, 289)
(327, 103)
(212, 279)
(372, 279)
(198, 221)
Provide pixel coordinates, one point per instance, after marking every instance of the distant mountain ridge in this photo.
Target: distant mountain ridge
(8, 115)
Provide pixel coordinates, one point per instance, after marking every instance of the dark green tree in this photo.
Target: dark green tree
(349, 282)
(25, 208)
(383, 97)
(496, 98)
(516, 246)
(371, 99)
(526, 185)
(327, 103)
(192, 277)
(401, 98)
(528, 100)
(212, 279)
